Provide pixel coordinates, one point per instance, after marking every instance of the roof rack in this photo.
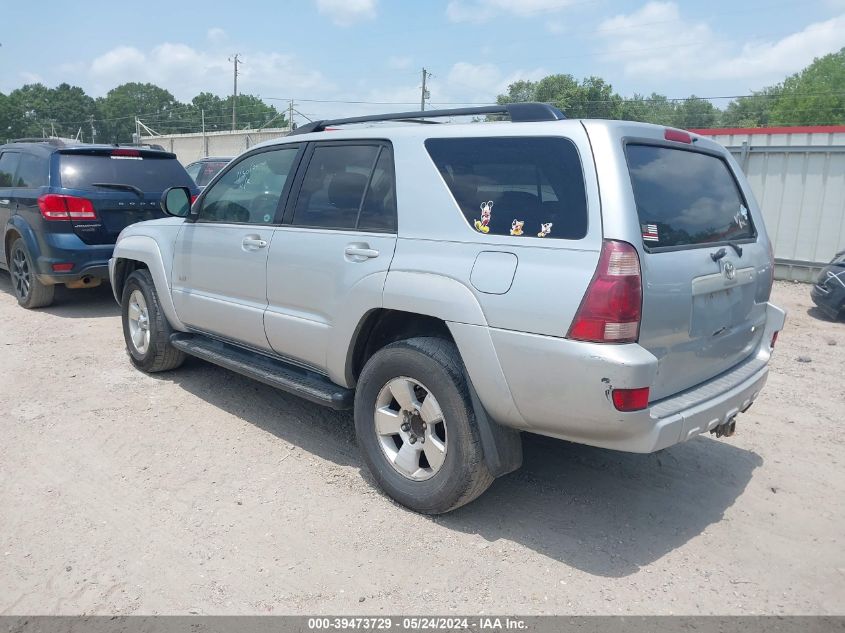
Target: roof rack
(518, 112)
(58, 142)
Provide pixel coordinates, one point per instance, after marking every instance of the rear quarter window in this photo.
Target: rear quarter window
(686, 198)
(81, 171)
(515, 186)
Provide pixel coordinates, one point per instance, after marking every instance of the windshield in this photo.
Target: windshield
(686, 198)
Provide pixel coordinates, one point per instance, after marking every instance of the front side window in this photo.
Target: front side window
(250, 191)
(8, 167)
(522, 187)
(348, 187)
(686, 198)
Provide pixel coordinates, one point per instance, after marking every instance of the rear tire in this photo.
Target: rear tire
(145, 327)
(432, 461)
(29, 292)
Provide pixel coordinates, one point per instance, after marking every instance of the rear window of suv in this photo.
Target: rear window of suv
(519, 186)
(686, 198)
(81, 171)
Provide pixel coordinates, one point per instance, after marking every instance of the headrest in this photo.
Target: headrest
(346, 190)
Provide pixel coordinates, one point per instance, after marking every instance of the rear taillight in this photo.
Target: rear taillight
(630, 399)
(57, 207)
(63, 268)
(611, 308)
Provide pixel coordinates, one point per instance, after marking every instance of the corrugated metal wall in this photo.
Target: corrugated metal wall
(798, 177)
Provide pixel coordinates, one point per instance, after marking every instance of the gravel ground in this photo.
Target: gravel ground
(199, 491)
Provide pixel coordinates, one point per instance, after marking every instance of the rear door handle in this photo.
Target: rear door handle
(254, 242)
(358, 251)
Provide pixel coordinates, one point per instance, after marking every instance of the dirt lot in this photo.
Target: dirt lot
(200, 491)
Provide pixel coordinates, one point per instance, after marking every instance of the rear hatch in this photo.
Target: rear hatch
(706, 263)
(124, 185)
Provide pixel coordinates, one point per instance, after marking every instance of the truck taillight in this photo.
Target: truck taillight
(630, 399)
(611, 309)
(57, 207)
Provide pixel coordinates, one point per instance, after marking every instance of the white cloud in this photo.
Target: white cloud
(31, 78)
(397, 62)
(347, 12)
(187, 71)
(483, 10)
(657, 42)
(216, 35)
(483, 82)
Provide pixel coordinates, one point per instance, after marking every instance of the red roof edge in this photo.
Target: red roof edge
(807, 129)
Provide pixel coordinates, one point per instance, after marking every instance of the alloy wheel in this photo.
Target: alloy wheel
(21, 273)
(138, 317)
(411, 429)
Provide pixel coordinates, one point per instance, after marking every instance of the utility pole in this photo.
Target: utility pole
(93, 131)
(424, 93)
(235, 59)
(137, 130)
(290, 116)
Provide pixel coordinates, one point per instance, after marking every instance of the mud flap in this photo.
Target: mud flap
(502, 446)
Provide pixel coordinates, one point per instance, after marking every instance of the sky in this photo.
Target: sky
(327, 54)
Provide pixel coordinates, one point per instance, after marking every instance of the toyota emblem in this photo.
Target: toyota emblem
(730, 270)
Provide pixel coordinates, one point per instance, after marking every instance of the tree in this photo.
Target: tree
(696, 113)
(592, 97)
(155, 107)
(814, 96)
(752, 111)
(5, 119)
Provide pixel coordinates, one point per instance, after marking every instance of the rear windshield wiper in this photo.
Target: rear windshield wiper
(117, 185)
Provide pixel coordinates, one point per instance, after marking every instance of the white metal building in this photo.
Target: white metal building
(798, 177)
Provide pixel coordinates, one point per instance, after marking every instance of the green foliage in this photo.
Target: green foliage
(814, 96)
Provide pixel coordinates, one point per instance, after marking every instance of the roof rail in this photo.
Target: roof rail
(518, 112)
(58, 142)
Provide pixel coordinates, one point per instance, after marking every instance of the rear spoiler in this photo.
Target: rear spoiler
(125, 152)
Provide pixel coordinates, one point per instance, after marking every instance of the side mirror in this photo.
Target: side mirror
(176, 201)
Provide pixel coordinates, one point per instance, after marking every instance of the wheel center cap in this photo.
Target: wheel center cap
(418, 426)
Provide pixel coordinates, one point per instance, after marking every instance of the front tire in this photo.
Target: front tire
(416, 426)
(145, 327)
(29, 292)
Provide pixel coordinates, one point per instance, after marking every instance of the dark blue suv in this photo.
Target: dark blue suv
(62, 206)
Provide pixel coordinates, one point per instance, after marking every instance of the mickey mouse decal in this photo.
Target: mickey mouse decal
(483, 225)
(516, 227)
(545, 229)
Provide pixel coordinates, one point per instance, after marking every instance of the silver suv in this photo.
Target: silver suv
(603, 282)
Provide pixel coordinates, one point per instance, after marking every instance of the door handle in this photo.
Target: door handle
(359, 251)
(254, 242)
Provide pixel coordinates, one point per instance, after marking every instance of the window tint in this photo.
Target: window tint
(152, 175)
(209, 171)
(8, 166)
(529, 187)
(249, 193)
(686, 197)
(333, 189)
(194, 170)
(34, 171)
(378, 212)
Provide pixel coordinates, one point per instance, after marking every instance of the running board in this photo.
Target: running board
(276, 373)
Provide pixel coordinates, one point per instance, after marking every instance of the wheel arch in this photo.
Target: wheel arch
(140, 251)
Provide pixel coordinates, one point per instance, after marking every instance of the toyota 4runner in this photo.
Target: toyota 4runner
(604, 282)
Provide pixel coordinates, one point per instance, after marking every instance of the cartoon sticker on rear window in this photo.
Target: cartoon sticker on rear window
(516, 227)
(741, 218)
(483, 225)
(545, 229)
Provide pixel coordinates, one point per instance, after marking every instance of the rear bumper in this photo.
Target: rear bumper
(63, 248)
(562, 388)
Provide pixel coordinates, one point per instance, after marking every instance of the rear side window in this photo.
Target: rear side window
(34, 171)
(525, 187)
(686, 198)
(8, 167)
(348, 187)
(81, 171)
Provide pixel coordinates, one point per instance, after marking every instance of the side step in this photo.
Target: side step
(276, 373)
